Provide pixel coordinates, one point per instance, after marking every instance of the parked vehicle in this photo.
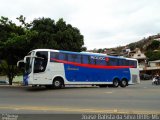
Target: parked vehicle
(4, 82)
(145, 77)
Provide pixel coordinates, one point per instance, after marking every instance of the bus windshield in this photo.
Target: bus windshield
(28, 66)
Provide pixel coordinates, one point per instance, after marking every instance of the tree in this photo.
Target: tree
(14, 45)
(100, 50)
(154, 45)
(68, 37)
(57, 35)
(9, 70)
(46, 29)
(150, 53)
(17, 41)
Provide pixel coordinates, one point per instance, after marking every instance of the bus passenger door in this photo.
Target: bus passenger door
(39, 76)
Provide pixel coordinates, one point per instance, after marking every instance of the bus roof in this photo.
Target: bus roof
(84, 53)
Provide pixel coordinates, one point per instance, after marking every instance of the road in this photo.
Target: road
(142, 98)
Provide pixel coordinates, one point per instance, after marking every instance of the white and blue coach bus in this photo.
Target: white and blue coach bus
(56, 68)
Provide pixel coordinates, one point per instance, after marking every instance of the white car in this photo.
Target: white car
(4, 82)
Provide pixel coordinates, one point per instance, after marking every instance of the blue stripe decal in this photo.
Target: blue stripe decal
(82, 74)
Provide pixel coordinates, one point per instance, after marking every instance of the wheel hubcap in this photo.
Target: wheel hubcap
(57, 83)
(124, 82)
(116, 83)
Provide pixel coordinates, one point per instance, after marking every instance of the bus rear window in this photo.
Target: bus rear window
(133, 63)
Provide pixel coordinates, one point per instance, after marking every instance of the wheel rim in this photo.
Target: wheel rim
(57, 83)
(124, 83)
(115, 83)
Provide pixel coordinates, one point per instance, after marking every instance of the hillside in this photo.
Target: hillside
(150, 46)
(144, 43)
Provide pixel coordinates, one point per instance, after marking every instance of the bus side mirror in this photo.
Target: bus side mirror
(25, 58)
(21, 64)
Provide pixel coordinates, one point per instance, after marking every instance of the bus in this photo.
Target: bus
(57, 68)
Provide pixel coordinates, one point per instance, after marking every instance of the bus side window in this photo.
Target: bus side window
(113, 61)
(92, 61)
(122, 62)
(54, 55)
(85, 59)
(62, 56)
(133, 63)
(100, 62)
(127, 63)
(74, 58)
(78, 58)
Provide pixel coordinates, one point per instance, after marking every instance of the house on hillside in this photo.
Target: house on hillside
(148, 67)
(153, 67)
(137, 54)
(125, 52)
(111, 52)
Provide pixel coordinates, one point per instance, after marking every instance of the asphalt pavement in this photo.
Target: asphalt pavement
(142, 98)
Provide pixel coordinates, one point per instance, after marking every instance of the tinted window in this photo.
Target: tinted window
(85, 59)
(62, 56)
(43, 54)
(127, 62)
(54, 56)
(92, 61)
(100, 62)
(122, 62)
(74, 58)
(28, 65)
(133, 63)
(113, 61)
(40, 63)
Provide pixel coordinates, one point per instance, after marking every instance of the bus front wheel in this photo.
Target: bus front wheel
(57, 83)
(115, 82)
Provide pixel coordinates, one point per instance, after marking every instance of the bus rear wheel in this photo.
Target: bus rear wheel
(116, 82)
(58, 83)
(123, 83)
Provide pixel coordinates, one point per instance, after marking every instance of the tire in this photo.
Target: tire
(116, 82)
(57, 83)
(123, 83)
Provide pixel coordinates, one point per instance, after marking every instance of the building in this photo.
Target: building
(137, 54)
(153, 67)
(145, 66)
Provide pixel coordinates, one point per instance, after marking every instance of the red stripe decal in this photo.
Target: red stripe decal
(90, 65)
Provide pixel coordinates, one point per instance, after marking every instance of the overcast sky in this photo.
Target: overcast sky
(104, 23)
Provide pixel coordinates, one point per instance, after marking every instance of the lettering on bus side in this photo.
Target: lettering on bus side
(97, 57)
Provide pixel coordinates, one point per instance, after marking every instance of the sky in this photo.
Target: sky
(103, 23)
